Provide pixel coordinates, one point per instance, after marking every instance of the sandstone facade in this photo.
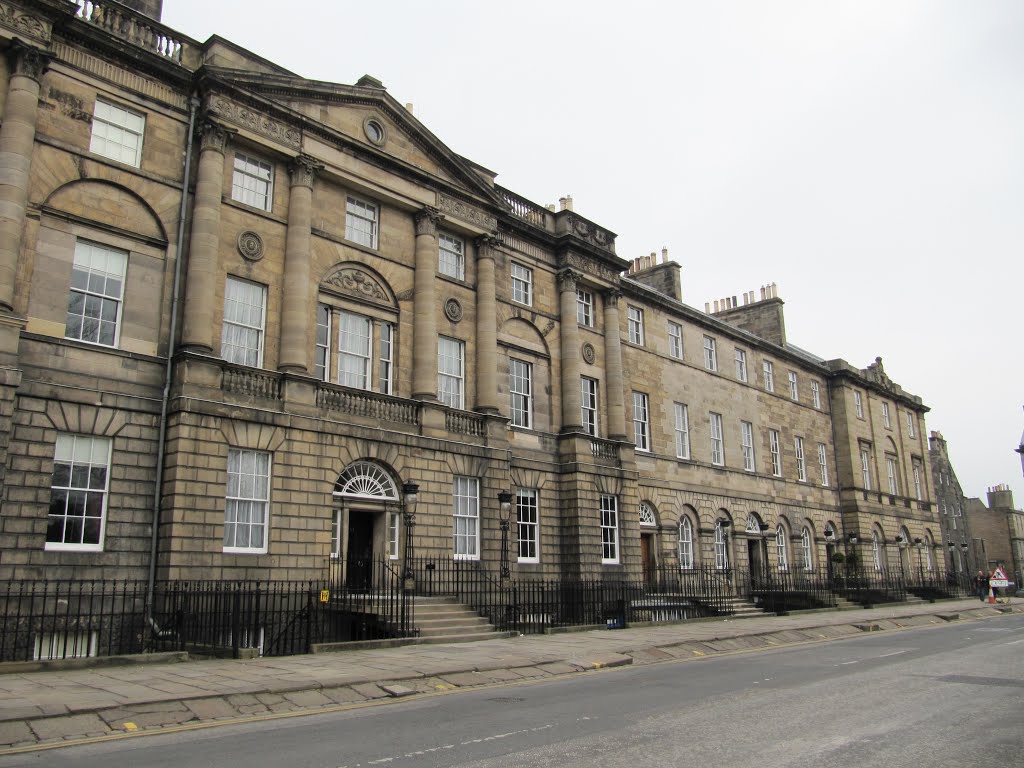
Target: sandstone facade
(315, 305)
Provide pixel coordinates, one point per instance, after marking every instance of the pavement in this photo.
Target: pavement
(59, 706)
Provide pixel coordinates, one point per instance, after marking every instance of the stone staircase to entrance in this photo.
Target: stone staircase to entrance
(742, 609)
(443, 620)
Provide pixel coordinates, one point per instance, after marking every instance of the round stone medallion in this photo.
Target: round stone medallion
(453, 310)
(250, 245)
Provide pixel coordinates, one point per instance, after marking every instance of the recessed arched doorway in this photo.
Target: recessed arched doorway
(365, 523)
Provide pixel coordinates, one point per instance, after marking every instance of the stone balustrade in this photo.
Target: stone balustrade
(463, 423)
(136, 29)
(523, 208)
(253, 383)
(604, 449)
(359, 402)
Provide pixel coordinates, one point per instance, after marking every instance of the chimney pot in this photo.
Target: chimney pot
(409, 108)
(664, 254)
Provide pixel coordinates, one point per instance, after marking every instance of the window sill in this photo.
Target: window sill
(53, 546)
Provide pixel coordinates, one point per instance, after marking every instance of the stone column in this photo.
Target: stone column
(486, 327)
(295, 313)
(17, 137)
(204, 247)
(424, 335)
(569, 338)
(613, 367)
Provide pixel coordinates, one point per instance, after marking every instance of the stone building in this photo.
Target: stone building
(964, 554)
(245, 317)
(998, 530)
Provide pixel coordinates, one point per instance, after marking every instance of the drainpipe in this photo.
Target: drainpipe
(169, 370)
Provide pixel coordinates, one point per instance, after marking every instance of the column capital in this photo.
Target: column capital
(426, 220)
(303, 170)
(28, 61)
(568, 279)
(213, 135)
(611, 297)
(486, 245)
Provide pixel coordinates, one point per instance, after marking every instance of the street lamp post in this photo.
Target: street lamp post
(410, 494)
(852, 539)
(765, 571)
(919, 544)
(505, 502)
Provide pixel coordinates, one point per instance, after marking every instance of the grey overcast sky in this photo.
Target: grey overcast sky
(865, 155)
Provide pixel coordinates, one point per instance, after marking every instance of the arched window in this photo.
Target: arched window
(721, 547)
(876, 550)
(780, 545)
(929, 564)
(356, 329)
(366, 480)
(685, 543)
(805, 546)
(647, 517)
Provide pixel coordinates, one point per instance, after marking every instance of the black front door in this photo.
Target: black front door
(754, 557)
(359, 551)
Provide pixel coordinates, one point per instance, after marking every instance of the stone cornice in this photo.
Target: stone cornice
(842, 371)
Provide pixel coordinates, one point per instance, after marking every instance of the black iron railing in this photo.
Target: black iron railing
(372, 599)
(43, 620)
(780, 590)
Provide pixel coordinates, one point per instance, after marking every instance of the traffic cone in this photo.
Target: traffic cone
(991, 596)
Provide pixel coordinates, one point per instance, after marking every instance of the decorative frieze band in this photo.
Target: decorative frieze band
(589, 266)
(24, 23)
(466, 212)
(255, 121)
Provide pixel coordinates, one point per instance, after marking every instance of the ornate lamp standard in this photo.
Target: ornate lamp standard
(919, 544)
(764, 528)
(505, 502)
(410, 494)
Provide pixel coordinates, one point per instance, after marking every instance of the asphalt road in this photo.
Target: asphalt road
(927, 698)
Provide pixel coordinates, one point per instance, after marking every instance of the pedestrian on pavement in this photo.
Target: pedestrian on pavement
(981, 585)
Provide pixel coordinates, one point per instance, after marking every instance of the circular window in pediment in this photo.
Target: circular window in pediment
(374, 131)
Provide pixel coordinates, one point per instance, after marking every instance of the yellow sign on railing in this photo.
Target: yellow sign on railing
(325, 595)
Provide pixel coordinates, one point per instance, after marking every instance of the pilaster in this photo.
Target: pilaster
(296, 315)
(17, 137)
(197, 332)
(424, 353)
(613, 367)
(486, 327)
(569, 338)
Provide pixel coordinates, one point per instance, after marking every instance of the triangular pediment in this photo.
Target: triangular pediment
(363, 117)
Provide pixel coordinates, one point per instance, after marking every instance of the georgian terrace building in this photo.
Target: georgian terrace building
(246, 316)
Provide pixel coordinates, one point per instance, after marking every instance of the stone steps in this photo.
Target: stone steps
(442, 620)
